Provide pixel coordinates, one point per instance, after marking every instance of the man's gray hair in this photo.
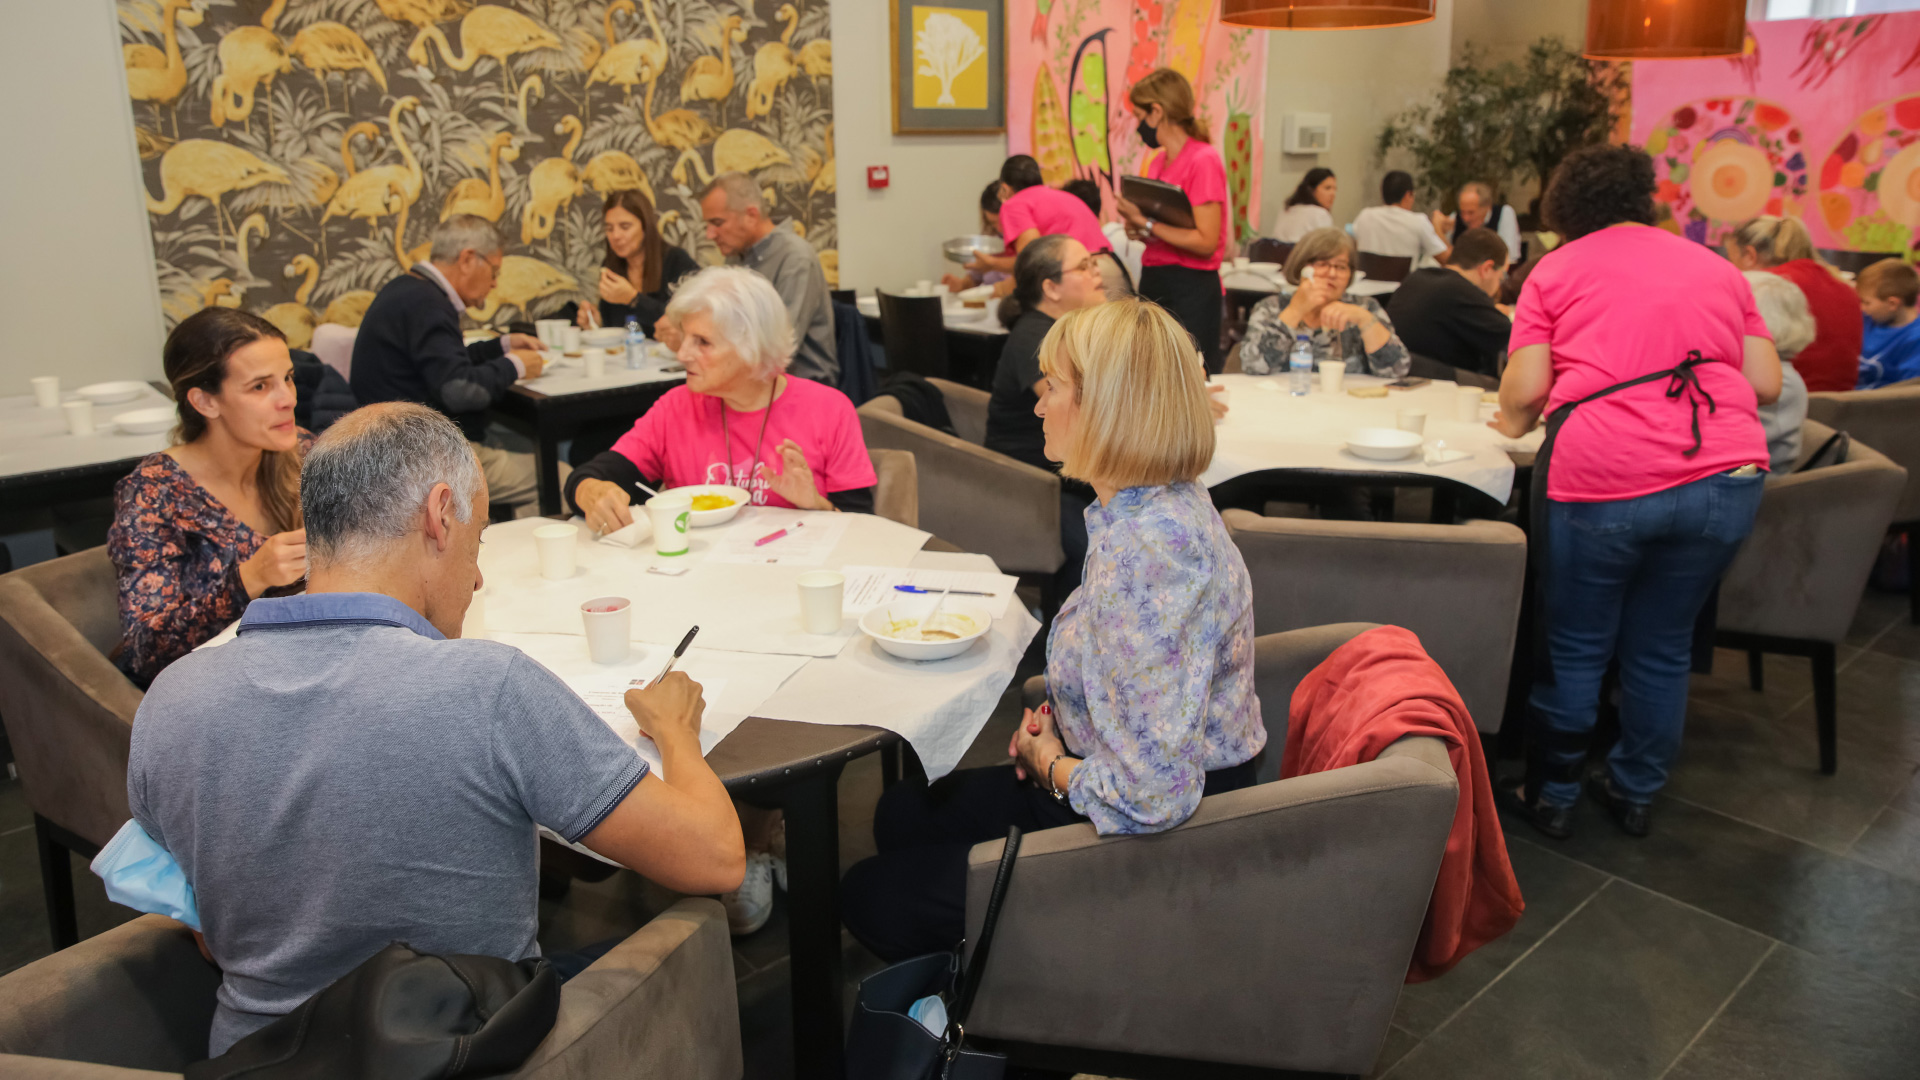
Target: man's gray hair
(462, 232)
(1483, 190)
(741, 191)
(365, 481)
(1783, 307)
(748, 315)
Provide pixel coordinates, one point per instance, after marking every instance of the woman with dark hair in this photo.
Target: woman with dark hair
(213, 521)
(1180, 268)
(641, 268)
(1310, 206)
(1650, 359)
(989, 226)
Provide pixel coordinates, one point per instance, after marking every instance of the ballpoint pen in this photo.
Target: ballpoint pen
(929, 592)
(678, 651)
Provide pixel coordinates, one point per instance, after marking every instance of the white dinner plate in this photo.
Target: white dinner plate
(108, 393)
(146, 421)
(1384, 444)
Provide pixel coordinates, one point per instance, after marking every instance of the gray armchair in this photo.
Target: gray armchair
(969, 495)
(1797, 581)
(1273, 929)
(68, 712)
(661, 1005)
(1456, 586)
(1887, 419)
(896, 493)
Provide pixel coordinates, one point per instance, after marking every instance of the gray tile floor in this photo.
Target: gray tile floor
(1770, 927)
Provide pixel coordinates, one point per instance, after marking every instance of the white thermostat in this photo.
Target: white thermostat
(1307, 133)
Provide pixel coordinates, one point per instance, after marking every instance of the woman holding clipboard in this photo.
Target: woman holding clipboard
(1180, 269)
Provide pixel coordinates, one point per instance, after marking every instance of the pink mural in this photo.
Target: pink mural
(1069, 63)
(1820, 120)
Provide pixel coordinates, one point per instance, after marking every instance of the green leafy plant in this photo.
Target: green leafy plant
(1506, 123)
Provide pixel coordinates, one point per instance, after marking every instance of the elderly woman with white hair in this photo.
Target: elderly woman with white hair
(740, 419)
(1789, 318)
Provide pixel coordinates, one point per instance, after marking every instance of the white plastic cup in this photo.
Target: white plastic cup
(596, 363)
(923, 287)
(1466, 404)
(821, 594)
(543, 329)
(79, 417)
(46, 391)
(669, 511)
(1333, 376)
(1414, 420)
(570, 339)
(558, 555)
(609, 622)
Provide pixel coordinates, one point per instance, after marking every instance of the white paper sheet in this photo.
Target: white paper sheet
(870, 586)
(809, 539)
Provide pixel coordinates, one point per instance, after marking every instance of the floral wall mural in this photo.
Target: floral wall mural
(297, 153)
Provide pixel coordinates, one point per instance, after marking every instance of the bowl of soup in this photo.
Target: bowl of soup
(900, 627)
(714, 504)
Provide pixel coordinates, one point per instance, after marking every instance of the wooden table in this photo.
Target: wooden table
(41, 465)
(556, 406)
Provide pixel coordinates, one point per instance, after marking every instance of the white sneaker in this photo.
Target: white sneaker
(751, 905)
(777, 847)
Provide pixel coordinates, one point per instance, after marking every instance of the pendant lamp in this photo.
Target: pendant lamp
(1325, 14)
(1665, 29)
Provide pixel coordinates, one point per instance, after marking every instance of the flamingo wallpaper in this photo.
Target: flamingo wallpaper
(297, 153)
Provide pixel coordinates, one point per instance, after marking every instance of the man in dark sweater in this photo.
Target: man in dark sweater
(1447, 313)
(409, 348)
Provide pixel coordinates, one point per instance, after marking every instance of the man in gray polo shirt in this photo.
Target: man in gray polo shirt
(737, 222)
(348, 772)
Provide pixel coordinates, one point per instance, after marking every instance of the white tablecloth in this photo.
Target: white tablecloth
(963, 320)
(1268, 428)
(34, 440)
(568, 375)
(1258, 281)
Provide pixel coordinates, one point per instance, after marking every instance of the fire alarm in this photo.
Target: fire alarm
(876, 176)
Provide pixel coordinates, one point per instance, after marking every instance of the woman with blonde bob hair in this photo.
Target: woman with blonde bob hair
(1150, 697)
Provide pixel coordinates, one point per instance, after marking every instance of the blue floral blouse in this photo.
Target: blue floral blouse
(1150, 662)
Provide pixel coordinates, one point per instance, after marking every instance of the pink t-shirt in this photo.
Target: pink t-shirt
(680, 440)
(1051, 211)
(1629, 301)
(1200, 173)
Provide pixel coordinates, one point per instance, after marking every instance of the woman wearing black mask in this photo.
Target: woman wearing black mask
(1180, 269)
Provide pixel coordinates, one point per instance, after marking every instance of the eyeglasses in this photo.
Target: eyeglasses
(1328, 266)
(1085, 266)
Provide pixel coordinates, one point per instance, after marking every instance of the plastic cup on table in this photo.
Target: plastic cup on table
(669, 511)
(79, 417)
(609, 622)
(1414, 420)
(1333, 376)
(596, 363)
(570, 339)
(1466, 404)
(46, 391)
(556, 545)
(821, 594)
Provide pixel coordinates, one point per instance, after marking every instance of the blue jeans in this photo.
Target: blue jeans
(1629, 577)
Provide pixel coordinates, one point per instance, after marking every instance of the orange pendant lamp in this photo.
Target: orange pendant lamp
(1665, 29)
(1325, 14)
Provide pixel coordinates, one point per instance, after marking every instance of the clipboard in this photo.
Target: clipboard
(1163, 202)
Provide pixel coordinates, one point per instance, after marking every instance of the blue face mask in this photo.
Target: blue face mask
(142, 875)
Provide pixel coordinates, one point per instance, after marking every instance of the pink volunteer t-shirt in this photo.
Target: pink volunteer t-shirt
(1051, 211)
(1200, 173)
(1629, 301)
(680, 441)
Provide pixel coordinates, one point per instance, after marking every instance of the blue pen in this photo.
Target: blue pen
(928, 592)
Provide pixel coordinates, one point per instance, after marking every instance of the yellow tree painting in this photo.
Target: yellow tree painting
(297, 153)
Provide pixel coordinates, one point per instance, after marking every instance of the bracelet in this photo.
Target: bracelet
(1052, 788)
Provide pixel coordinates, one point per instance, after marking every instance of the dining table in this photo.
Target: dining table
(975, 336)
(565, 399)
(41, 464)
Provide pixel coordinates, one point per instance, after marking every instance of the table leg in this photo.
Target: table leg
(549, 465)
(813, 922)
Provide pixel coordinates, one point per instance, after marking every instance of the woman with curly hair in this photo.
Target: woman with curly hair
(1650, 359)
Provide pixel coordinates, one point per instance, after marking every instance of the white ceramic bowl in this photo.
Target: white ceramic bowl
(107, 393)
(892, 624)
(605, 337)
(702, 518)
(146, 421)
(1384, 444)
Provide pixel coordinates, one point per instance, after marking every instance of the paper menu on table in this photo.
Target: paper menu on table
(607, 697)
(807, 541)
(870, 586)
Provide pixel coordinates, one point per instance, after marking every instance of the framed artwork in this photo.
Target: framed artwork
(949, 66)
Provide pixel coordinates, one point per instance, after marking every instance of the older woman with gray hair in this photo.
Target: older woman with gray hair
(740, 419)
(1783, 307)
(1341, 325)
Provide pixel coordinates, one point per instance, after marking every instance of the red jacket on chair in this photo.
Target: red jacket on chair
(1375, 689)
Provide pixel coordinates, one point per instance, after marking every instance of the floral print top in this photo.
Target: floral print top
(1150, 661)
(1268, 343)
(177, 552)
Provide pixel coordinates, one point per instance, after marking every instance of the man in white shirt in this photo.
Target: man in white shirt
(1478, 210)
(1394, 228)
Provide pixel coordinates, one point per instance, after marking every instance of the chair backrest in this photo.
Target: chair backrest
(1457, 587)
(1887, 419)
(333, 344)
(896, 494)
(843, 296)
(1385, 267)
(1426, 367)
(1803, 568)
(68, 709)
(1232, 364)
(1267, 249)
(1854, 261)
(914, 334)
(967, 408)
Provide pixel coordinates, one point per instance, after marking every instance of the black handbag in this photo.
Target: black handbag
(403, 1015)
(884, 1043)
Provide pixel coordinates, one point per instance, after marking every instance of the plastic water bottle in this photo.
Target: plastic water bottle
(636, 342)
(1300, 366)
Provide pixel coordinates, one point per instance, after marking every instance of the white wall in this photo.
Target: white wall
(1504, 29)
(77, 293)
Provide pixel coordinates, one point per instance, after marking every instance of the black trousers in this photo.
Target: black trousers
(911, 899)
(1193, 297)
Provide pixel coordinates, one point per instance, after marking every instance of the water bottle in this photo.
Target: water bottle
(1300, 366)
(636, 342)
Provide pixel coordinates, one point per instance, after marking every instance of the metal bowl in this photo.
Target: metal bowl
(962, 249)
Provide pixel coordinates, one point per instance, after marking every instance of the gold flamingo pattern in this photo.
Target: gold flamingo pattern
(297, 152)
